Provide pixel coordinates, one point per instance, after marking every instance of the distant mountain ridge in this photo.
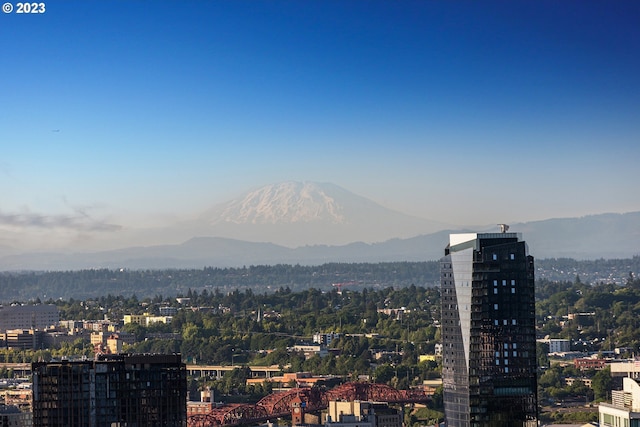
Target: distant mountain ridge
(607, 235)
(314, 223)
(591, 237)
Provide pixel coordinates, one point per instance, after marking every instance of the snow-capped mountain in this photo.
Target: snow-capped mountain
(288, 202)
(308, 213)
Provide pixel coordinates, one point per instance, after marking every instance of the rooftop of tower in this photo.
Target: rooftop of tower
(461, 241)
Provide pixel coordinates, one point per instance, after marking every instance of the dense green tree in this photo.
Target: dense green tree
(542, 351)
(601, 384)
(552, 377)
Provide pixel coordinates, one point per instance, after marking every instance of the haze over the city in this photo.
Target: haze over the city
(119, 115)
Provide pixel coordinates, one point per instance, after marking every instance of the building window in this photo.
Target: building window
(495, 257)
(512, 256)
(495, 306)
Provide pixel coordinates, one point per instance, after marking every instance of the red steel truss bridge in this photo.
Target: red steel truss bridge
(278, 405)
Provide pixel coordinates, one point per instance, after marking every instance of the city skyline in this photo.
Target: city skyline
(120, 115)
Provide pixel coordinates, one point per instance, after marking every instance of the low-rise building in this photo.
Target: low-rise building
(138, 319)
(438, 349)
(294, 379)
(569, 381)
(431, 386)
(310, 350)
(12, 416)
(111, 343)
(362, 414)
(55, 338)
(114, 344)
(19, 397)
(168, 311)
(71, 325)
(586, 363)
(203, 406)
(99, 338)
(23, 338)
(395, 313)
(557, 345)
(96, 325)
(146, 319)
(325, 339)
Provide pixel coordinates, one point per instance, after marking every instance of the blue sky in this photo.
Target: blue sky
(131, 113)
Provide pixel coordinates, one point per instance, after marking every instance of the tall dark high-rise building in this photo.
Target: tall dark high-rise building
(488, 331)
(141, 390)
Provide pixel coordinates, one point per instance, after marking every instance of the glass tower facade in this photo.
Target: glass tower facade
(488, 331)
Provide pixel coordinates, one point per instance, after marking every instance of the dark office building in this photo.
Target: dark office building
(488, 331)
(142, 390)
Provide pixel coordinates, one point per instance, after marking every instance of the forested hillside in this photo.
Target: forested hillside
(82, 284)
(149, 283)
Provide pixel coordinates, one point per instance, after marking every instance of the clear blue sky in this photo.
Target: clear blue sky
(470, 112)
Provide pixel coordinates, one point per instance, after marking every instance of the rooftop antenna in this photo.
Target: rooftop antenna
(503, 228)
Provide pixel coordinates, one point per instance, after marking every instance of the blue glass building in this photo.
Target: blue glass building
(488, 331)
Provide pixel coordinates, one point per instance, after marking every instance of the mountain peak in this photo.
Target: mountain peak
(302, 213)
(284, 203)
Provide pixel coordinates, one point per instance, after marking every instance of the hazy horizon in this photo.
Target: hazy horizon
(123, 115)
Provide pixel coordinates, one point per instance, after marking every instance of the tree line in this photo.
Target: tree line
(94, 283)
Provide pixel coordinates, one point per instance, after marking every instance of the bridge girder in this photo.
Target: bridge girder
(278, 405)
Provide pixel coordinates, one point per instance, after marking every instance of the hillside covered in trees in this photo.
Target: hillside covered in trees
(82, 284)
